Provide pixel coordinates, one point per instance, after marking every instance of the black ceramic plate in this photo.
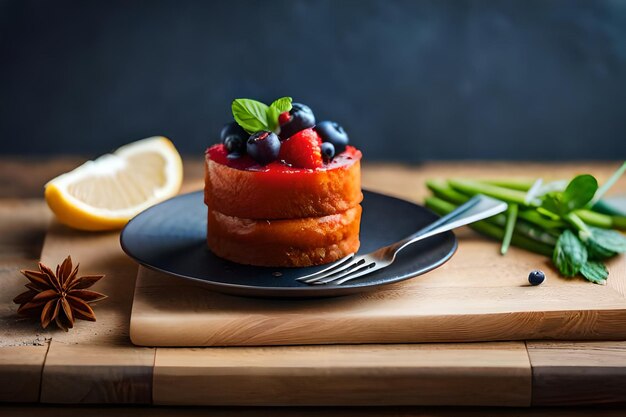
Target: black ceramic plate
(171, 237)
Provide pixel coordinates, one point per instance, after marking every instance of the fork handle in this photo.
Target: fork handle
(477, 208)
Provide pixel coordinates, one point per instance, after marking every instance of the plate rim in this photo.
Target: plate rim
(315, 290)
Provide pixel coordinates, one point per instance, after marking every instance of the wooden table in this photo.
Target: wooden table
(97, 364)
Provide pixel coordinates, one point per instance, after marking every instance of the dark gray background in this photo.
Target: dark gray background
(409, 80)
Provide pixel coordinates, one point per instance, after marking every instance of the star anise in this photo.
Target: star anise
(60, 296)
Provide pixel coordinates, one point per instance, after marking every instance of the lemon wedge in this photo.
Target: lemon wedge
(104, 194)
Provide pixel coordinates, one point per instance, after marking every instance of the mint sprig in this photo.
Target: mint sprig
(567, 210)
(569, 254)
(251, 115)
(579, 192)
(595, 272)
(254, 116)
(604, 243)
(577, 195)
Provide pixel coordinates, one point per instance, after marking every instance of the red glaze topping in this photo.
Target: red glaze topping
(219, 154)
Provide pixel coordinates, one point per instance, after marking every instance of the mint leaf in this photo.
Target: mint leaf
(598, 252)
(595, 272)
(605, 243)
(279, 106)
(553, 202)
(579, 192)
(282, 104)
(569, 254)
(251, 115)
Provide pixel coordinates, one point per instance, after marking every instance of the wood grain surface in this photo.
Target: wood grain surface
(444, 374)
(23, 345)
(477, 296)
(23, 227)
(20, 372)
(578, 372)
(95, 362)
(97, 253)
(97, 374)
(343, 411)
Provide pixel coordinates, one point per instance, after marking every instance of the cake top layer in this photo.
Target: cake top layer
(218, 153)
(282, 136)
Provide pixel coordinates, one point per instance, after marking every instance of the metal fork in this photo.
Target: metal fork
(351, 267)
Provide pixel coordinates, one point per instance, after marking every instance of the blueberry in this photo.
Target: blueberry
(536, 277)
(332, 132)
(328, 151)
(235, 145)
(263, 147)
(302, 117)
(234, 138)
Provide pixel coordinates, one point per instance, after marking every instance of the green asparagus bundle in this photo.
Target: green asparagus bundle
(566, 221)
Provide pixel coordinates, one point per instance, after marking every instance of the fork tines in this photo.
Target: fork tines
(346, 266)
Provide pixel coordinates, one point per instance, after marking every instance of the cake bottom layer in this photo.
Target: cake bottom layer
(284, 243)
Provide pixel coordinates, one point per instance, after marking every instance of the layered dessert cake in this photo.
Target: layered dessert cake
(282, 190)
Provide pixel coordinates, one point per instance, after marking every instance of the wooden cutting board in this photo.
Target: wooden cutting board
(479, 295)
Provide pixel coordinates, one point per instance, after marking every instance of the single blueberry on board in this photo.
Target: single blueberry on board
(536, 277)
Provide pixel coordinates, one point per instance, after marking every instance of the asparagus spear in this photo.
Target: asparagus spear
(509, 227)
(602, 220)
(533, 216)
(490, 229)
(605, 187)
(501, 193)
(540, 213)
(443, 190)
(523, 184)
(546, 233)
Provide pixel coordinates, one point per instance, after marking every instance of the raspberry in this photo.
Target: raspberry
(283, 118)
(302, 150)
